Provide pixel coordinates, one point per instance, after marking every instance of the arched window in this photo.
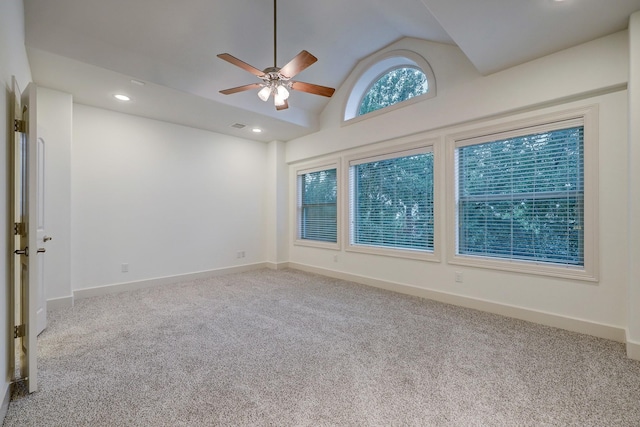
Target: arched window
(396, 85)
(393, 78)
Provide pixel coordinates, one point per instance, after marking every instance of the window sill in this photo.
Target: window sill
(527, 267)
(396, 253)
(317, 244)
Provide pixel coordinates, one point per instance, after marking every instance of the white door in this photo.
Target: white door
(41, 237)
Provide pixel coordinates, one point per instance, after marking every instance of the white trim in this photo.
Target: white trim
(549, 319)
(376, 67)
(522, 127)
(277, 266)
(4, 407)
(301, 169)
(633, 350)
(589, 117)
(60, 303)
(159, 281)
(318, 167)
(422, 145)
(390, 154)
(318, 243)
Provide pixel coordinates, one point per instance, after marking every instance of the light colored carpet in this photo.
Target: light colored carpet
(287, 348)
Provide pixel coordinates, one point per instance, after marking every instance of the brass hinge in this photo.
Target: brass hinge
(19, 228)
(19, 331)
(19, 126)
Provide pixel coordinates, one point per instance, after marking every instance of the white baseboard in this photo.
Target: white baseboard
(568, 323)
(277, 266)
(4, 407)
(159, 281)
(633, 350)
(59, 303)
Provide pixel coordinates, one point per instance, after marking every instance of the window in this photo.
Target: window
(317, 205)
(520, 198)
(391, 208)
(396, 85)
(389, 79)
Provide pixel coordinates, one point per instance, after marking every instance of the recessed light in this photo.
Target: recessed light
(256, 130)
(121, 97)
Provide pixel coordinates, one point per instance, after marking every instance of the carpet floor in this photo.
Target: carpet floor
(288, 348)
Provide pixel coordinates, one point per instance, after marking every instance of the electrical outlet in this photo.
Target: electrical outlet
(458, 277)
(125, 268)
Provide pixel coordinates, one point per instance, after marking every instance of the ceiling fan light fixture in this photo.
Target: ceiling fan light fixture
(264, 93)
(282, 92)
(278, 100)
(276, 80)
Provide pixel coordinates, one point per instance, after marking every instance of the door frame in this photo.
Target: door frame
(14, 240)
(25, 248)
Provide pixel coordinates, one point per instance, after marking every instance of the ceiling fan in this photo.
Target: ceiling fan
(277, 81)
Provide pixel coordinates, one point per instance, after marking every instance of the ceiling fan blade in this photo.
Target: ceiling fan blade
(235, 61)
(240, 88)
(297, 64)
(314, 89)
(283, 106)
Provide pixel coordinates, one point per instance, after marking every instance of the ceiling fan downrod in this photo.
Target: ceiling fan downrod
(275, 35)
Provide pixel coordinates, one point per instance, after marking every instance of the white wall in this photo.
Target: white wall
(276, 224)
(633, 348)
(593, 73)
(13, 61)
(54, 127)
(464, 95)
(165, 199)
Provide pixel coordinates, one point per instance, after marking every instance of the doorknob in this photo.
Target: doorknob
(47, 238)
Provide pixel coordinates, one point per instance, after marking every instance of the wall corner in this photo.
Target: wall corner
(633, 307)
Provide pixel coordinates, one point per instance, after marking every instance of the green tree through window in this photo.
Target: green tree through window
(395, 86)
(392, 202)
(317, 211)
(523, 198)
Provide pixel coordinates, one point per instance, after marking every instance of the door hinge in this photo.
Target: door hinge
(19, 126)
(19, 228)
(19, 331)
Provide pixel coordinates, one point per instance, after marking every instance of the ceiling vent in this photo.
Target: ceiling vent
(238, 125)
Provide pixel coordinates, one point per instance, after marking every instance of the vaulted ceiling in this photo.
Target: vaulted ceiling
(95, 48)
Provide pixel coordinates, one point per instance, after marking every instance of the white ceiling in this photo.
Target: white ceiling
(93, 48)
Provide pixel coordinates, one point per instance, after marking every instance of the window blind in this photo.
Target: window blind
(391, 201)
(522, 197)
(317, 214)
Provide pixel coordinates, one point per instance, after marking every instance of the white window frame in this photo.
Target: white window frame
(378, 67)
(317, 167)
(587, 117)
(390, 153)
